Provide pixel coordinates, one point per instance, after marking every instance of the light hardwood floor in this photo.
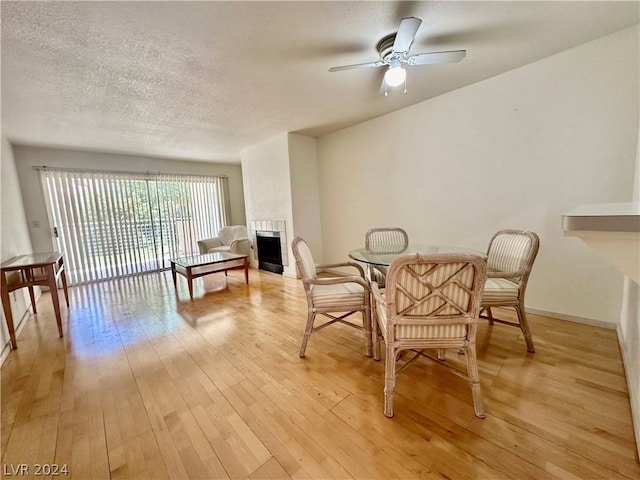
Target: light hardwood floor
(147, 385)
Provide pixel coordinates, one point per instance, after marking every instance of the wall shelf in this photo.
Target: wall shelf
(612, 229)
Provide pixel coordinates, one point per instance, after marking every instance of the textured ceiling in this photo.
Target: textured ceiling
(205, 80)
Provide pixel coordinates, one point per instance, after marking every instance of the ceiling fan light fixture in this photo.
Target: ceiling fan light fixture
(394, 54)
(395, 76)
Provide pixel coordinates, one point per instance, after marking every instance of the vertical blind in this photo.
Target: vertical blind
(111, 224)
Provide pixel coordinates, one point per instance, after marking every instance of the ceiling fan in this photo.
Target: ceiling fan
(394, 54)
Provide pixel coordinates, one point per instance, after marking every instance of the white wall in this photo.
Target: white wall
(515, 151)
(267, 188)
(303, 166)
(629, 328)
(281, 183)
(28, 157)
(629, 337)
(14, 238)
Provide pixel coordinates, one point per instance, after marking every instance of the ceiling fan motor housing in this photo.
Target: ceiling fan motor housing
(385, 47)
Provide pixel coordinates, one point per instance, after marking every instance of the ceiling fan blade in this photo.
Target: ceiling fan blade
(406, 33)
(357, 65)
(437, 57)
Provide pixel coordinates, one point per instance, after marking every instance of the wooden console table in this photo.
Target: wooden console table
(28, 271)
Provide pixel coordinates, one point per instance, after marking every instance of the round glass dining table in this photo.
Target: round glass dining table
(385, 257)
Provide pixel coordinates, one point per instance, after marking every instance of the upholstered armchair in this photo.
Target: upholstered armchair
(509, 260)
(232, 239)
(430, 302)
(334, 297)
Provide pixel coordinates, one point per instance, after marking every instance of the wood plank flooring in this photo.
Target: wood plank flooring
(148, 384)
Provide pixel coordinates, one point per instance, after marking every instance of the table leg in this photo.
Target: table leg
(51, 275)
(6, 305)
(173, 274)
(63, 277)
(190, 282)
(32, 296)
(246, 271)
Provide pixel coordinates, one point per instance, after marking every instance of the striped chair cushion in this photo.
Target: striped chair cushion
(308, 264)
(336, 295)
(406, 332)
(386, 240)
(508, 252)
(498, 291)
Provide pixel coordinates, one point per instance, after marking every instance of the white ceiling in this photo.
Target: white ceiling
(205, 80)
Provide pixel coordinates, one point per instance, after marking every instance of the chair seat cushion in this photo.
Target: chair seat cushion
(498, 291)
(347, 294)
(406, 332)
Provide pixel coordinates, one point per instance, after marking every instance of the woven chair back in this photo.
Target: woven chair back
(386, 240)
(438, 286)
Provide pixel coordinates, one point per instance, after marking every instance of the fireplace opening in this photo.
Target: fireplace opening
(269, 252)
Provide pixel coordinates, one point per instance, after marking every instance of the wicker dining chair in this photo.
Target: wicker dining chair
(334, 297)
(510, 257)
(384, 240)
(430, 302)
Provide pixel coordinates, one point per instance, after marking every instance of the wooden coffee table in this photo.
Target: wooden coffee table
(200, 265)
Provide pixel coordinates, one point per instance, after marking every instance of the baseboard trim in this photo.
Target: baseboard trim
(7, 346)
(573, 318)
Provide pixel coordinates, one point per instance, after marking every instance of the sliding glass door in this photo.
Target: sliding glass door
(111, 224)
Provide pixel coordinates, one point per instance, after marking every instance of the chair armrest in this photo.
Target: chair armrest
(377, 294)
(241, 246)
(338, 280)
(343, 264)
(205, 245)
